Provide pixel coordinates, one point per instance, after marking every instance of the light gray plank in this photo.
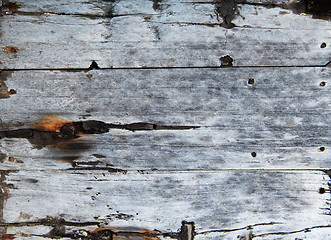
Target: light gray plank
(223, 200)
(284, 117)
(141, 36)
(202, 97)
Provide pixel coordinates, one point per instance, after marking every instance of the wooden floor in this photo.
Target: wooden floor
(164, 119)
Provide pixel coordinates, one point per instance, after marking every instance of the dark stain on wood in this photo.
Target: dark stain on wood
(3, 157)
(109, 169)
(121, 216)
(322, 190)
(122, 232)
(99, 155)
(227, 10)
(157, 5)
(317, 8)
(4, 195)
(104, 233)
(226, 61)
(187, 231)
(9, 7)
(4, 75)
(63, 134)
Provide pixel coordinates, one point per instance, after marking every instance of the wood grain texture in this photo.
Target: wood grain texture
(149, 199)
(159, 141)
(133, 34)
(283, 117)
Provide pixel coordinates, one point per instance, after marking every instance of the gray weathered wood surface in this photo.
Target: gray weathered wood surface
(241, 152)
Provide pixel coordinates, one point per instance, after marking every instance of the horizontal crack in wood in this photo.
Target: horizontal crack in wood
(49, 221)
(237, 229)
(328, 64)
(292, 232)
(55, 133)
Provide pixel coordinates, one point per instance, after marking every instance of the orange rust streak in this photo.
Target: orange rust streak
(50, 122)
(10, 49)
(129, 232)
(7, 236)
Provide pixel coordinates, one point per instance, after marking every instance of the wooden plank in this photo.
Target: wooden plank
(202, 97)
(276, 123)
(140, 36)
(211, 199)
(165, 145)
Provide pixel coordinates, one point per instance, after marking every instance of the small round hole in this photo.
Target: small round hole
(323, 45)
(12, 91)
(322, 190)
(321, 149)
(226, 61)
(253, 154)
(322, 84)
(251, 81)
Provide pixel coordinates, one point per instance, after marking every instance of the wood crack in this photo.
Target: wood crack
(56, 133)
(292, 232)
(328, 64)
(90, 16)
(248, 227)
(49, 221)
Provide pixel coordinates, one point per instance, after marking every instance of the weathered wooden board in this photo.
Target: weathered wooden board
(202, 97)
(214, 200)
(133, 34)
(283, 117)
(160, 134)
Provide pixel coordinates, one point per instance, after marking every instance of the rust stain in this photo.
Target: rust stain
(10, 49)
(127, 233)
(7, 236)
(50, 122)
(55, 132)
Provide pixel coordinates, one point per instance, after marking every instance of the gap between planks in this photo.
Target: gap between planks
(155, 67)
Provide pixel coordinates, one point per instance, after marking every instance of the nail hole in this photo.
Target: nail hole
(322, 190)
(251, 81)
(322, 84)
(12, 91)
(323, 45)
(226, 61)
(253, 154)
(94, 65)
(321, 149)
